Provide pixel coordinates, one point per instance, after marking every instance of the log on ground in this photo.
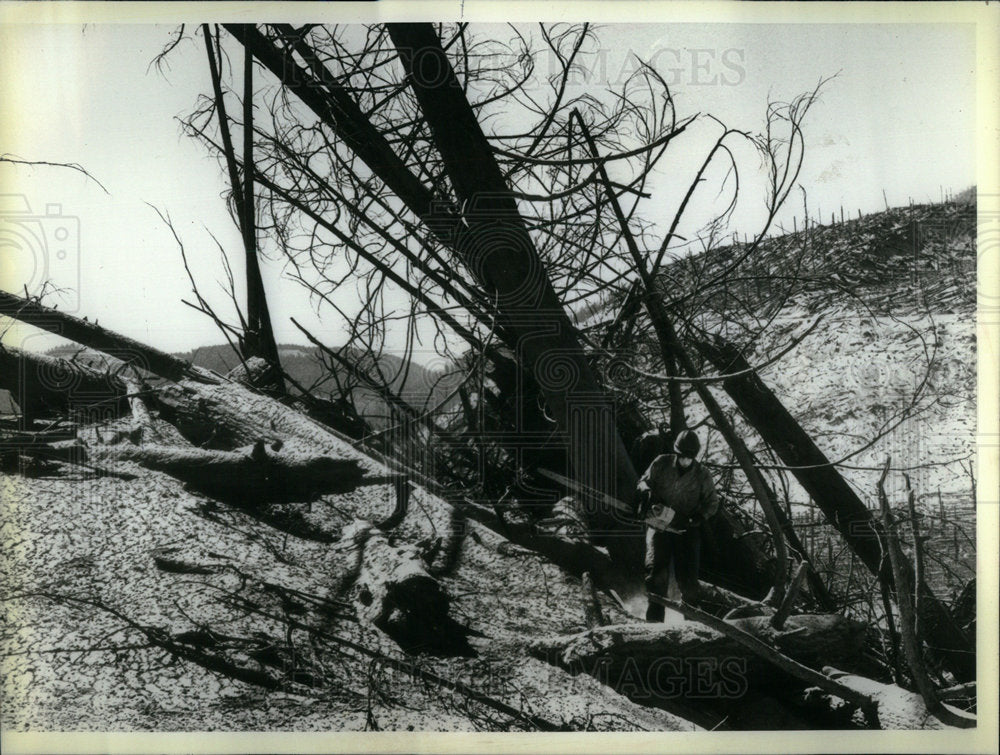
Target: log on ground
(394, 591)
(204, 419)
(811, 639)
(248, 476)
(898, 708)
(40, 383)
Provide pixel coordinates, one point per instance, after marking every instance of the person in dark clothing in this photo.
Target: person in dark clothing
(677, 482)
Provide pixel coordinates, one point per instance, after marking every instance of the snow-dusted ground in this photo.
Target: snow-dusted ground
(854, 378)
(896, 293)
(70, 665)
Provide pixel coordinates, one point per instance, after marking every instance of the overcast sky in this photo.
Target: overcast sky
(899, 118)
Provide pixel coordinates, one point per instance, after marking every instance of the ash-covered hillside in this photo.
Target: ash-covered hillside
(213, 559)
(885, 306)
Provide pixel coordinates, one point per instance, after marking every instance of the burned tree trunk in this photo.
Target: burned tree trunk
(39, 382)
(250, 476)
(258, 314)
(394, 591)
(838, 501)
(257, 339)
(101, 339)
(812, 639)
(497, 247)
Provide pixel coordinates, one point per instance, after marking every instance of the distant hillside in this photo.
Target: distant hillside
(419, 386)
(902, 258)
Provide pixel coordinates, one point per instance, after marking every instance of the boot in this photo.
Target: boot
(655, 613)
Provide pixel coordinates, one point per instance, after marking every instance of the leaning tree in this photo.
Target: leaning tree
(417, 178)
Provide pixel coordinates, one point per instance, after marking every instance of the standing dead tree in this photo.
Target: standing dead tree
(257, 338)
(908, 619)
(382, 171)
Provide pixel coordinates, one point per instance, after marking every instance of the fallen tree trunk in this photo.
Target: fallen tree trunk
(831, 492)
(725, 661)
(140, 412)
(208, 420)
(394, 591)
(251, 476)
(101, 339)
(898, 708)
(39, 382)
(715, 599)
(205, 417)
(574, 555)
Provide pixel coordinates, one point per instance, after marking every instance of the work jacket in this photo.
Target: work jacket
(691, 492)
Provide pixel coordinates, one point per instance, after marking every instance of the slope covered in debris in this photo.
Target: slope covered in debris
(256, 570)
(141, 604)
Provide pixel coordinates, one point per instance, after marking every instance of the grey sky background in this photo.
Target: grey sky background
(899, 117)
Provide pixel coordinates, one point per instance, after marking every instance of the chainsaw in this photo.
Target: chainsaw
(659, 516)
